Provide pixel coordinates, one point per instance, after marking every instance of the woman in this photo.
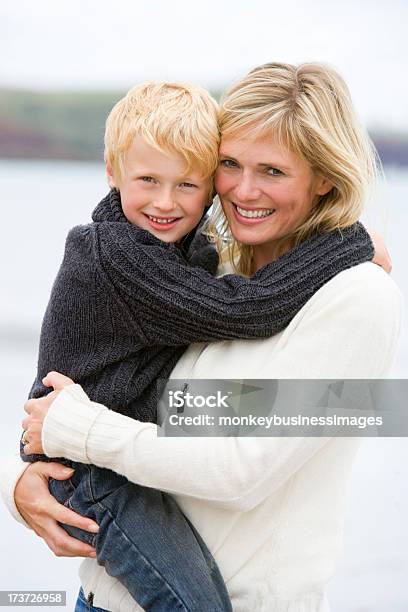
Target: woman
(293, 161)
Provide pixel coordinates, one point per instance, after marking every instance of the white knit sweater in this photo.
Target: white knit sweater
(270, 509)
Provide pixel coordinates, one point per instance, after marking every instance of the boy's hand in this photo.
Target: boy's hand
(57, 381)
(37, 410)
(381, 255)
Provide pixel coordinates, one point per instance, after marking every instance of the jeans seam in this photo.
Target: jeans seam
(68, 484)
(91, 538)
(88, 484)
(178, 600)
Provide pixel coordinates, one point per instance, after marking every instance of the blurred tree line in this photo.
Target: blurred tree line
(70, 125)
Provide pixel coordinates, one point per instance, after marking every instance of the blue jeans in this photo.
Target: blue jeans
(82, 605)
(145, 541)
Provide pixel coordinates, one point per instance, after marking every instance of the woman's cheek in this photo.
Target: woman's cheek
(222, 182)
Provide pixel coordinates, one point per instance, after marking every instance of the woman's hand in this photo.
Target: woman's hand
(37, 410)
(381, 255)
(41, 511)
(33, 424)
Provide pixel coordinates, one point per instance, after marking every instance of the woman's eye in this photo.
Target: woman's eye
(228, 163)
(274, 172)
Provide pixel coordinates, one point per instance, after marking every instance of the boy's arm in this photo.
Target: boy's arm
(177, 304)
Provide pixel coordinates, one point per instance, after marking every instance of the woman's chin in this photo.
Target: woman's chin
(251, 235)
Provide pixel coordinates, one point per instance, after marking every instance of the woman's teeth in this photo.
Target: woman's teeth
(163, 221)
(254, 214)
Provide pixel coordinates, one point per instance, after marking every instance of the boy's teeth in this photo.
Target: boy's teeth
(164, 221)
(254, 214)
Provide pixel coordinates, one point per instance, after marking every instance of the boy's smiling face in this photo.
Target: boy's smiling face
(157, 194)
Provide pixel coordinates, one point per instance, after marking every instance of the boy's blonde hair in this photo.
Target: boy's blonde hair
(177, 119)
(309, 110)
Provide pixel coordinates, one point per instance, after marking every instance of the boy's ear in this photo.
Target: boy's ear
(109, 174)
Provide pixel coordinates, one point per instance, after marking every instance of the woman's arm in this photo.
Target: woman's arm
(24, 488)
(228, 472)
(11, 470)
(348, 330)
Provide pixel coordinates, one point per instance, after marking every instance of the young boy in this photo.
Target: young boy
(131, 294)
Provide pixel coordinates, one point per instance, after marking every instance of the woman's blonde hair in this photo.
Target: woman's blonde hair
(308, 109)
(177, 119)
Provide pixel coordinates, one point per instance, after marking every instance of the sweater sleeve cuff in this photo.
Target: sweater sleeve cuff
(67, 424)
(112, 442)
(12, 468)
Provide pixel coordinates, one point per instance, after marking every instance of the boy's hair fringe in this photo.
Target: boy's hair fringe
(177, 119)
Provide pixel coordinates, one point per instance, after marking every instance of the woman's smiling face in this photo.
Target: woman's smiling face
(266, 190)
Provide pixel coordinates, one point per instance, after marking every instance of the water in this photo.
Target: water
(41, 201)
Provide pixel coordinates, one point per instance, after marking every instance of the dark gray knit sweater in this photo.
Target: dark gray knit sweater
(125, 305)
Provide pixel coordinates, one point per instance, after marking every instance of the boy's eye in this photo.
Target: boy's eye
(187, 185)
(228, 163)
(147, 179)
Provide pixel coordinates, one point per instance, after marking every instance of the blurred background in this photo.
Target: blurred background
(62, 67)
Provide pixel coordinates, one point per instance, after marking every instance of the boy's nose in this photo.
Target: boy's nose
(165, 203)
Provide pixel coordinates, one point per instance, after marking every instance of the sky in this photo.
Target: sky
(101, 44)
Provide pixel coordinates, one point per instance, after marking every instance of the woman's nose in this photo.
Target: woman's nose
(246, 189)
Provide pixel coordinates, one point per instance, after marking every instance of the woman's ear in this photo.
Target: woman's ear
(323, 186)
(109, 174)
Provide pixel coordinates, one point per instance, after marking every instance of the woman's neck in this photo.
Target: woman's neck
(264, 254)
